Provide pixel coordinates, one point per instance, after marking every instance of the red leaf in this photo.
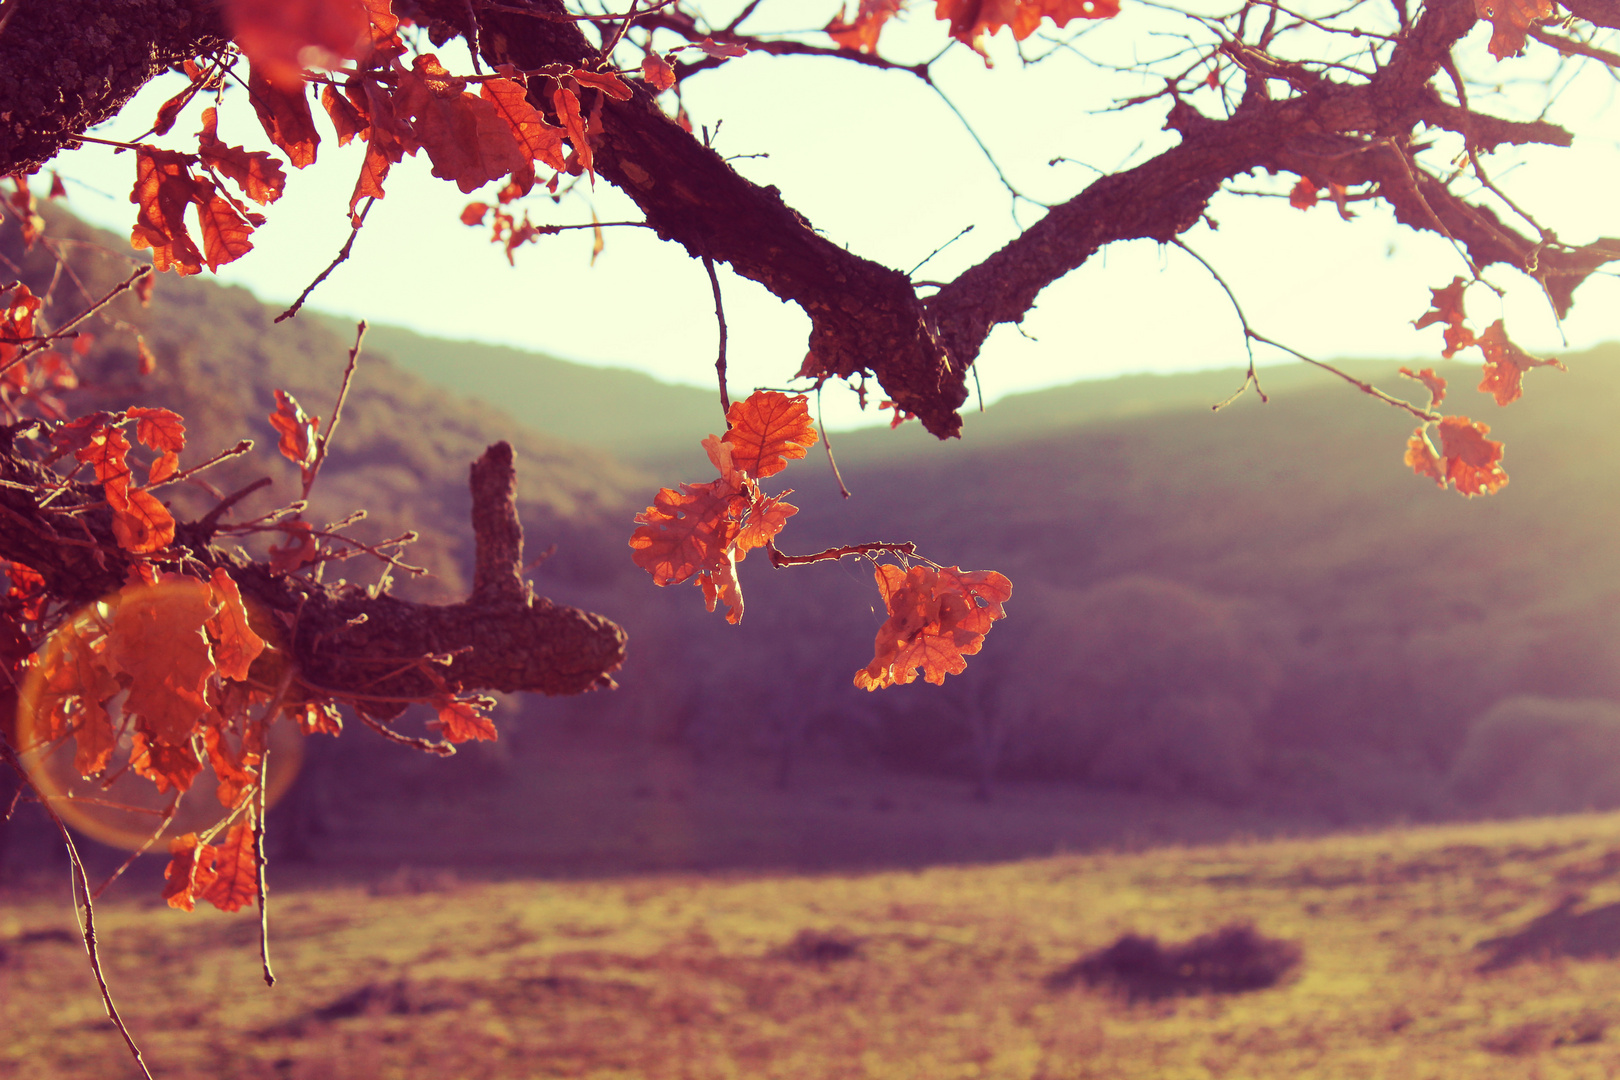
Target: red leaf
(605, 81)
(721, 50)
(164, 187)
(145, 362)
(225, 232)
(156, 641)
(286, 118)
(236, 870)
(1436, 385)
(190, 871)
(237, 774)
(235, 645)
(1510, 20)
(318, 718)
(768, 428)
(159, 429)
(282, 37)
(1473, 462)
(1303, 196)
(862, 34)
(1447, 307)
(144, 525)
(299, 443)
(540, 140)
(25, 590)
(467, 140)
(687, 531)
(656, 70)
(567, 106)
(972, 20)
(346, 119)
(1505, 365)
(165, 764)
(937, 618)
(301, 548)
(258, 174)
(766, 516)
(460, 721)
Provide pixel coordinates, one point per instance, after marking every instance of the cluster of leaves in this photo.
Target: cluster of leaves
(937, 616)
(1466, 459)
(971, 20)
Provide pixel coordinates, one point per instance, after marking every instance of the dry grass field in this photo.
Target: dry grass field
(934, 973)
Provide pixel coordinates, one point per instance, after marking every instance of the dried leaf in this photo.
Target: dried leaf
(257, 173)
(285, 115)
(159, 429)
(605, 81)
(190, 871)
(573, 124)
(300, 550)
(539, 140)
(861, 34)
(973, 20)
(282, 37)
(1505, 365)
(236, 870)
(937, 618)
(156, 640)
(237, 773)
(1447, 307)
(1303, 195)
(1473, 462)
(166, 765)
(235, 645)
(1436, 384)
(768, 428)
(164, 187)
(318, 718)
(687, 531)
(766, 517)
(460, 721)
(143, 525)
(225, 231)
(346, 119)
(657, 72)
(299, 443)
(466, 139)
(1510, 20)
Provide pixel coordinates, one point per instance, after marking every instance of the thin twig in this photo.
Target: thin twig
(157, 834)
(826, 441)
(354, 231)
(1252, 378)
(85, 913)
(965, 230)
(1369, 389)
(117, 290)
(258, 845)
(427, 746)
(780, 560)
(337, 410)
(209, 520)
(720, 317)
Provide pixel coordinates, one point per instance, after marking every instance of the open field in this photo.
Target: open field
(931, 973)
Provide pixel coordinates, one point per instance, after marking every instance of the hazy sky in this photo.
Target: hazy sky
(877, 162)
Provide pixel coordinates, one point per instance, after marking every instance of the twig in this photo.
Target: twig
(354, 231)
(258, 845)
(85, 913)
(1369, 389)
(337, 409)
(427, 746)
(117, 290)
(965, 230)
(1252, 377)
(157, 834)
(826, 441)
(780, 560)
(720, 317)
(210, 519)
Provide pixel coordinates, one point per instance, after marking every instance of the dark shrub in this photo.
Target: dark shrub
(1232, 960)
(821, 947)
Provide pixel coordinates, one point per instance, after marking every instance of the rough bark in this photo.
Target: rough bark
(345, 641)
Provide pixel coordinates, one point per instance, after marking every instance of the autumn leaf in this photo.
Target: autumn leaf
(1510, 21)
(225, 231)
(1505, 365)
(77, 684)
(861, 34)
(687, 531)
(164, 188)
(937, 618)
(143, 525)
(346, 119)
(1467, 459)
(467, 140)
(236, 870)
(257, 173)
(17, 321)
(766, 517)
(299, 443)
(605, 81)
(235, 645)
(300, 550)
(107, 452)
(190, 871)
(166, 765)
(1436, 384)
(766, 429)
(282, 37)
(657, 72)
(161, 430)
(719, 582)
(1447, 307)
(460, 721)
(317, 718)
(285, 115)
(721, 50)
(573, 124)
(972, 20)
(1303, 195)
(237, 773)
(157, 641)
(26, 593)
(539, 140)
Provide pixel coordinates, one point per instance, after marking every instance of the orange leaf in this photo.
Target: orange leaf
(236, 773)
(156, 640)
(656, 70)
(299, 443)
(17, 321)
(236, 646)
(687, 531)
(719, 582)
(78, 683)
(225, 231)
(1473, 462)
(106, 451)
(160, 429)
(1421, 458)
(937, 618)
(236, 870)
(1303, 196)
(972, 20)
(567, 106)
(766, 517)
(282, 37)
(1510, 20)
(539, 140)
(768, 428)
(318, 718)
(862, 34)
(1505, 365)
(190, 871)
(346, 119)
(258, 174)
(1447, 307)
(164, 187)
(26, 593)
(285, 115)
(164, 764)
(143, 524)
(460, 721)
(467, 140)
(605, 81)
(301, 548)
(1436, 385)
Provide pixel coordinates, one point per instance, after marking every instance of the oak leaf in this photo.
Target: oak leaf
(285, 115)
(937, 618)
(1505, 365)
(461, 721)
(235, 645)
(346, 119)
(166, 765)
(164, 188)
(972, 20)
(861, 33)
(605, 81)
(17, 321)
(26, 593)
(225, 231)
(157, 641)
(1467, 459)
(299, 442)
(190, 871)
(566, 104)
(143, 525)
(1447, 307)
(236, 773)
(1436, 384)
(236, 869)
(1303, 195)
(1510, 21)
(657, 72)
(766, 429)
(256, 172)
(282, 37)
(77, 684)
(467, 140)
(300, 550)
(318, 718)
(539, 140)
(766, 517)
(687, 531)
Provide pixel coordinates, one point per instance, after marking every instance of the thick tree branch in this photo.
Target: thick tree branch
(343, 639)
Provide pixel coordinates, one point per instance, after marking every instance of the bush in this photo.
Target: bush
(1535, 755)
(1232, 960)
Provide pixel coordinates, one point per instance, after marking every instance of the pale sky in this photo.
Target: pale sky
(877, 162)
